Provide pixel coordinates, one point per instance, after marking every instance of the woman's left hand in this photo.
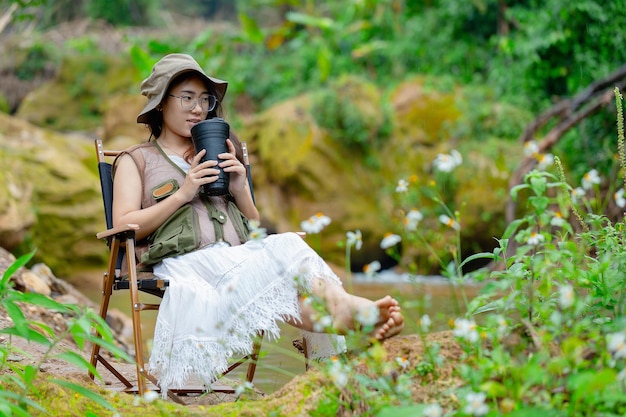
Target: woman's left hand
(238, 181)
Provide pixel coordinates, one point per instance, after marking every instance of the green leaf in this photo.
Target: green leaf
(111, 347)
(19, 262)
(587, 382)
(18, 411)
(406, 411)
(324, 62)
(493, 306)
(515, 190)
(307, 20)
(512, 227)
(251, 29)
(85, 393)
(79, 361)
(43, 301)
(484, 255)
(45, 329)
(27, 334)
(493, 389)
(534, 412)
(30, 372)
(15, 313)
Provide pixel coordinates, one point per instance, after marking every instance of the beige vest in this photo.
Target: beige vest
(156, 168)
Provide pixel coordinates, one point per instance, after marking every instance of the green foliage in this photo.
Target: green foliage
(354, 113)
(38, 58)
(122, 12)
(18, 380)
(545, 335)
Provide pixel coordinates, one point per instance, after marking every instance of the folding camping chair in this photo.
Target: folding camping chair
(121, 240)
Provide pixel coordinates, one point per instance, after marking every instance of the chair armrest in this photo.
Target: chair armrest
(117, 230)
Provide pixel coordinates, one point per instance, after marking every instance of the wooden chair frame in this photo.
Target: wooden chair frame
(122, 239)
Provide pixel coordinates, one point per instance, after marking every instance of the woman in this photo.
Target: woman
(224, 290)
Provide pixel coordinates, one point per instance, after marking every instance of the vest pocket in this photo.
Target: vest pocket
(178, 235)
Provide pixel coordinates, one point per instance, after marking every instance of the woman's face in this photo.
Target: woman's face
(176, 119)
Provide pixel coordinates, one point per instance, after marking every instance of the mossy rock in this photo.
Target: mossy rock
(76, 98)
(64, 206)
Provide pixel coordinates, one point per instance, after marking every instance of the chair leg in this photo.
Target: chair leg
(307, 363)
(136, 308)
(254, 357)
(107, 290)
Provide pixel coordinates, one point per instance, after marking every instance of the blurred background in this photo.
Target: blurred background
(340, 103)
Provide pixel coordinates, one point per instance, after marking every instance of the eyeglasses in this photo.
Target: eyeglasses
(188, 103)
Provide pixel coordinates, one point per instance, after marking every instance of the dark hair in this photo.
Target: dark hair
(155, 117)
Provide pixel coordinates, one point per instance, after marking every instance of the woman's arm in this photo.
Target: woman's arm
(238, 186)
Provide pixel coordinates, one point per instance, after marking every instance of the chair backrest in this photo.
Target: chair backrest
(106, 181)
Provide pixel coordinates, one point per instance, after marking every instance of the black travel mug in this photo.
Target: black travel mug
(211, 135)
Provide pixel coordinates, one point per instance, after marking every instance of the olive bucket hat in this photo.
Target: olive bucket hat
(163, 72)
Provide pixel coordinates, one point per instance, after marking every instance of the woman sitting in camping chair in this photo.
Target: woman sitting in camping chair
(223, 288)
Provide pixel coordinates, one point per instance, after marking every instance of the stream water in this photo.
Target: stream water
(280, 361)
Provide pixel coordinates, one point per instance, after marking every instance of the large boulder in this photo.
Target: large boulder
(51, 195)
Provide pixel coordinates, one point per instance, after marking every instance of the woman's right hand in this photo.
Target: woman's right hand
(198, 175)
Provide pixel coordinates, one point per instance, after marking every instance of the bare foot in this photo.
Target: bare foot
(391, 327)
(389, 321)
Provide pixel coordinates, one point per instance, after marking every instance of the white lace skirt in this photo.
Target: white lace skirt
(220, 296)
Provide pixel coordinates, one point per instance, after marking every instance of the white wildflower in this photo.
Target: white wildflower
(447, 162)
(322, 324)
(315, 223)
(576, 194)
(355, 239)
(412, 219)
(503, 326)
(465, 329)
(256, 232)
(368, 316)
(531, 148)
(433, 410)
(620, 201)
(616, 344)
(449, 222)
(390, 240)
(149, 396)
(338, 373)
(402, 362)
(557, 220)
(425, 323)
(403, 186)
(371, 268)
(535, 239)
(556, 318)
(246, 386)
(590, 179)
(566, 296)
(476, 404)
(544, 161)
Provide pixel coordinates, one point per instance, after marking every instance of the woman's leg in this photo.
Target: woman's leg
(351, 312)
